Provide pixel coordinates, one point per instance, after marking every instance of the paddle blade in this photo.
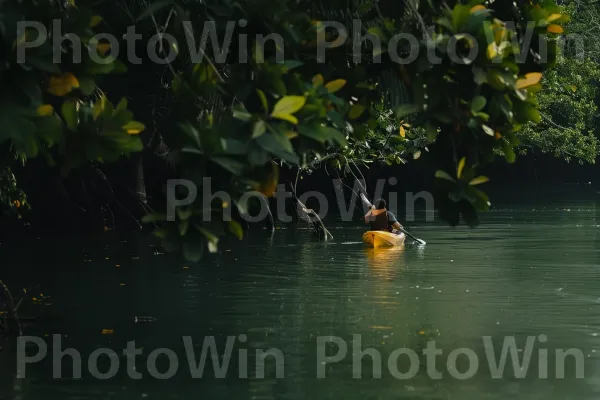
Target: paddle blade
(366, 201)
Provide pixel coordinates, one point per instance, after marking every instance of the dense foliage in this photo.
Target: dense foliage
(239, 122)
(569, 101)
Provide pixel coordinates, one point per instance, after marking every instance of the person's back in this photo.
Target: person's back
(380, 219)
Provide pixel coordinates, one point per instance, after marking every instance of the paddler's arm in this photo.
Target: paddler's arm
(394, 222)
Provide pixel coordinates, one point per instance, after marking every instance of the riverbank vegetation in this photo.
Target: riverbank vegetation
(487, 80)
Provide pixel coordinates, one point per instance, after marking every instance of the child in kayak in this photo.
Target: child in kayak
(381, 219)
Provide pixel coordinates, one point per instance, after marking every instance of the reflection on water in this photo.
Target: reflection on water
(523, 273)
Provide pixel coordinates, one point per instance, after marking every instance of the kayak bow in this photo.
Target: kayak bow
(383, 239)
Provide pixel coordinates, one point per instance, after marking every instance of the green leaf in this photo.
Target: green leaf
(291, 64)
(87, 84)
(50, 129)
(231, 165)
(260, 127)
(69, 114)
(356, 111)
(478, 104)
(122, 106)
(460, 15)
(444, 175)
(236, 229)
(183, 227)
(133, 127)
(263, 99)
(488, 130)
(312, 131)
(337, 119)
(407, 109)
(479, 180)
(240, 113)
(479, 76)
(289, 104)
(276, 145)
(335, 135)
(431, 130)
(335, 86)
(154, 217)
(461, 166)
(509, 152)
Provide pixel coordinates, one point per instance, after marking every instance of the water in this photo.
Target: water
(529, 270)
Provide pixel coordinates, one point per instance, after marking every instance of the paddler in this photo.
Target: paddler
(381, 219)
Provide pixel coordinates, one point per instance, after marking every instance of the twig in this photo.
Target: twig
(187, 29)
(160, 36)
(12, 311)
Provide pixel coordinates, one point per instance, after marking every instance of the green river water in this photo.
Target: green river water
(528, 270)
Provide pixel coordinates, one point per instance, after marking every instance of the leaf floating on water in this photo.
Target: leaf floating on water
(381, 327)
(108, 331)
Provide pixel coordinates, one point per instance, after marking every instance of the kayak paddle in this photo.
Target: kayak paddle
(368, 204)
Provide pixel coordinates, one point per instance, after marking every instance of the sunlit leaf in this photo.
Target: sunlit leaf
(402, 131)
(488, 130)
(45, 110)
(492, 51)
(553, 17)
(479, 180)
(318, 80)
(63, 84)
(416, 155)
(555, 28)
(98, 107)
(269, 187)
(532, 78)
(286, 117)
(287, 106)
(461, 166)
(263, 99)
(134, 127)
(335, 86)
(103, 48)
(476, 8)
(96, 20)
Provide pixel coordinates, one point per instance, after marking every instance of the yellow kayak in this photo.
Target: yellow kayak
(383, 239)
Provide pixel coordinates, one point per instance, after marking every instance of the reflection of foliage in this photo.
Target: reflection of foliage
(237, 122)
